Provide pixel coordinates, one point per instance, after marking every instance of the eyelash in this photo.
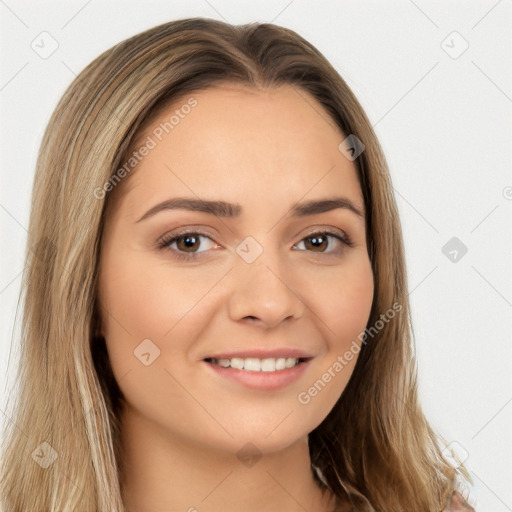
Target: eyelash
(165, 241)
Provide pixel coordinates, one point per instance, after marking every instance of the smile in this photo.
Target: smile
(264, 374)
(257, 365)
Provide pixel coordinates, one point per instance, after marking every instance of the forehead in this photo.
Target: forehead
(243, 144)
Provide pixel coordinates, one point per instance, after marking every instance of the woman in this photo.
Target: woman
(216, 309)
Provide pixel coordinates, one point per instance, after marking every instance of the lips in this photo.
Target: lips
(269, 379)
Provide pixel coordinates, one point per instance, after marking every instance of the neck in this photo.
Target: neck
(162, 472)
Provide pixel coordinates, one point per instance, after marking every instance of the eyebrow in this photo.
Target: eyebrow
(224, 209)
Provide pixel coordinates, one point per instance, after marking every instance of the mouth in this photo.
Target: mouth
(266, 374)
(254, 364)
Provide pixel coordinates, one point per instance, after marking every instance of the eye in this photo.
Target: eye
(185, 244)
(319, 241)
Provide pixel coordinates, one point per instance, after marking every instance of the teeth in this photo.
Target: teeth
(256, 365)
(268, 365)
(280, 363)
(237, 363)
(290, 361)
(252, 364)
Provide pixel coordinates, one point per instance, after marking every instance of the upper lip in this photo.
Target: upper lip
(261, 353)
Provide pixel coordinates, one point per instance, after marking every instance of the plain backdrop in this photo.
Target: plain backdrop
(435, 80)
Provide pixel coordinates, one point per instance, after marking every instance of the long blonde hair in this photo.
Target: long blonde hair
(375, 450)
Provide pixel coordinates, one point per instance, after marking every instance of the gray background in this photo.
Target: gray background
(443, 115)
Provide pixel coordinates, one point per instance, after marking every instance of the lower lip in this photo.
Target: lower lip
(261, 380)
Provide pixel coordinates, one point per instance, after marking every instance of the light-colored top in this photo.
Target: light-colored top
(456, 503)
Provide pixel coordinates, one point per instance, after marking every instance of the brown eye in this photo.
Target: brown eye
(187, 243)
(317, 242)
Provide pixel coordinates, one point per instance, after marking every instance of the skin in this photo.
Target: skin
(183, 425)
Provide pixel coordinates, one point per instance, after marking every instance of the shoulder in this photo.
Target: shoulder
(457, 503)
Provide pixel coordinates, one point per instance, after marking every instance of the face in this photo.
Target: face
(261, 278)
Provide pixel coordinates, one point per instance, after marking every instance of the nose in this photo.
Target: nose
(263, 294)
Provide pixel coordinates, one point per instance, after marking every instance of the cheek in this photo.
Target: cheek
(343, 302)
(351, 310)
(343, 308)
(170, 308)
(154, 302)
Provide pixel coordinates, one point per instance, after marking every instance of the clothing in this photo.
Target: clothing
(456, 503)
